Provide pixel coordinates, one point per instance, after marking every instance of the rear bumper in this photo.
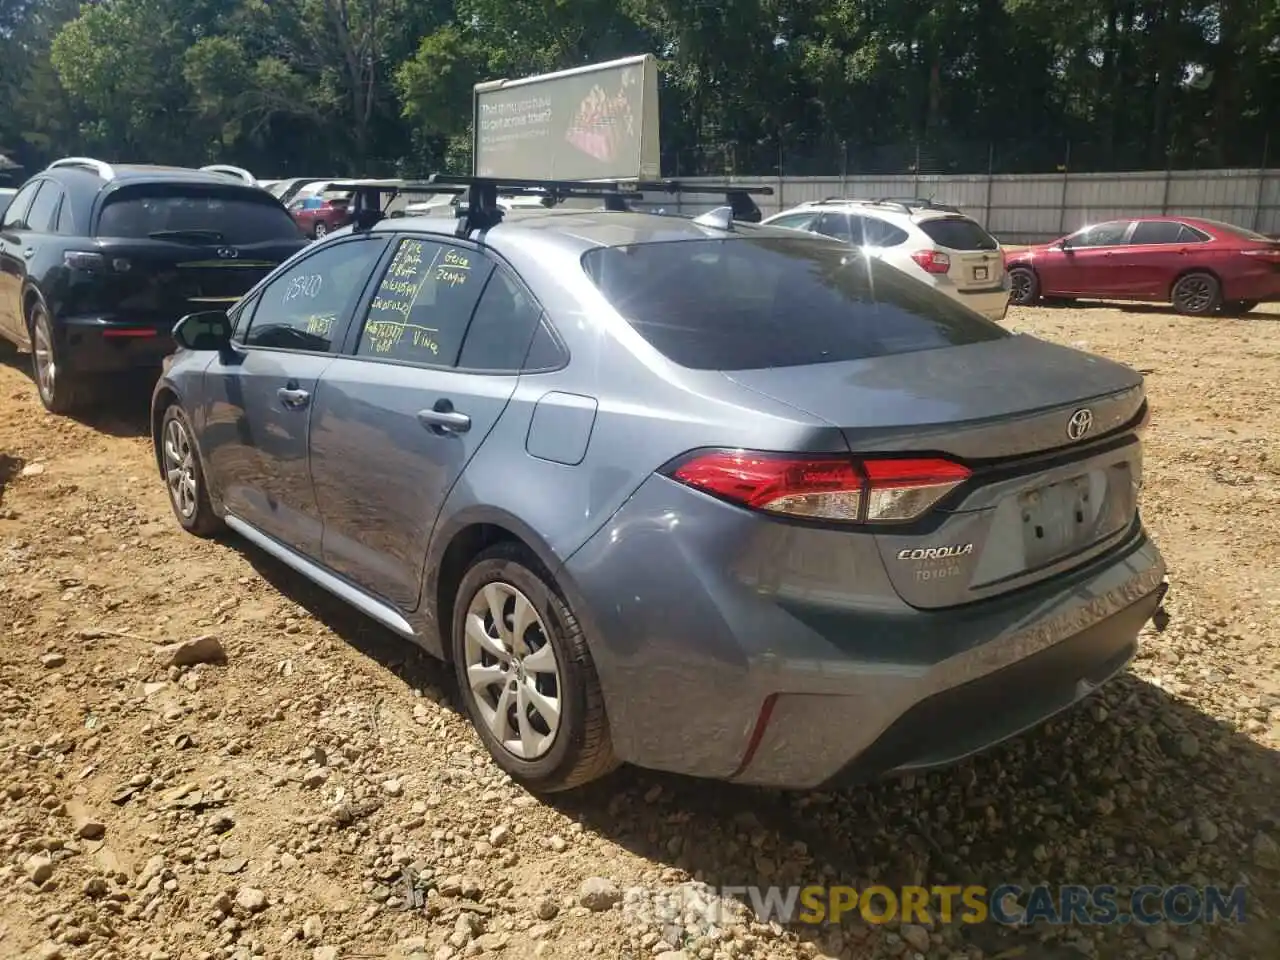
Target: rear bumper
(992, 304)
(108, 344)
(734, 647)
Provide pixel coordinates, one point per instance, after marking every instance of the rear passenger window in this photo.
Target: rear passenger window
(307, 307)
(501, 328)
(834, 225)
(40, 217)
(421, 309)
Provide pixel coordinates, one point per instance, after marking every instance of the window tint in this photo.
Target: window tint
(958, 233)
(18, 206)
(795, 221)
(835, 225)
(501, 327)
(754, 302)
(235, 218)
(424, 302)
(306, 307)
(1162, 231)
(877, 233)
(1102, 235)
(40, 217)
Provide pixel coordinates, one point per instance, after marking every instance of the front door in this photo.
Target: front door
(1091, 264)
(13, 263)
(258, 400)
(396, 423)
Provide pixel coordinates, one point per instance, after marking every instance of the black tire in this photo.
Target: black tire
(1196, 294)
(1024, 286)
(1238, 308)
(193, 510)
(57, 389)
(581, 749)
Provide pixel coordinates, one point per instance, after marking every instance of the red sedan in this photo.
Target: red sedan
(1200, 266)
(318, 216)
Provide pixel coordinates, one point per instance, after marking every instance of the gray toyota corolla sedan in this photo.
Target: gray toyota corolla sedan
(696, 495)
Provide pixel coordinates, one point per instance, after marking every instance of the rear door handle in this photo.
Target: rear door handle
(293, 398)
(442, 418)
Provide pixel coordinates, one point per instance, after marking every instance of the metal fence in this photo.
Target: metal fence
(1033, 208)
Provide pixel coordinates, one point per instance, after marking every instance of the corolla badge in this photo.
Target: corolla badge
(1081, 422)
(228, 253)
(936, 553)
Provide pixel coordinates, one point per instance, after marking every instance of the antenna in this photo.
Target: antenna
(721, 218)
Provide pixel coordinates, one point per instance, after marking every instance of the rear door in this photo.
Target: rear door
(176, 248)
(396, 422)
(1157, 252)
(258, 400)
(976, 262)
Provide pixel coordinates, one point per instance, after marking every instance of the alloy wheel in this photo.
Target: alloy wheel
(45, 363)
(1020, 284)
(180, 469)
(1194, 294)
(512, 670)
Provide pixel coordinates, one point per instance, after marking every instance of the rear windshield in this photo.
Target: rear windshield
(753, 302)
(234, 218)
(958, 233)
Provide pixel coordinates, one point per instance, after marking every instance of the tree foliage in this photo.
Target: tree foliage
(383, 86)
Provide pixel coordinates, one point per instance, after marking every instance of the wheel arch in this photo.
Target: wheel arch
(453, 548)
(1187, 271)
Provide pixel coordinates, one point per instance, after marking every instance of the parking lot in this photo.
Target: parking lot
(268, 804)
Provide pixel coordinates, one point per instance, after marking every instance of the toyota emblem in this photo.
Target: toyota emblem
(1081, 422)
(228, 253)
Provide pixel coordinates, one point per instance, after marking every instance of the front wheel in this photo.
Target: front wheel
(1196, 294)
(183, 475)
(1024, 287)
(526, 674)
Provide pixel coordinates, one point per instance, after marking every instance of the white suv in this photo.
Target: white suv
(936, 244)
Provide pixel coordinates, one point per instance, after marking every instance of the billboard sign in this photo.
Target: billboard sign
(598, 122)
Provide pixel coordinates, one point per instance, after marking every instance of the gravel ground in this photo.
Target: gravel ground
(265, 801)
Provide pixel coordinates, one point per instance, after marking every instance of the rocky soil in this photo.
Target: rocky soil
(201, 756)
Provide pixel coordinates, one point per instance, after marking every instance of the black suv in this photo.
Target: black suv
(98, 262)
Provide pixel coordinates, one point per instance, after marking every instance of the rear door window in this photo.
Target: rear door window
(795, 221)
(835, 225)
(40, 216)
(958, 233)
(753, 302)
(237, 218)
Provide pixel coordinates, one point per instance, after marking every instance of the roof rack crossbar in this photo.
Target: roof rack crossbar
(102, 169)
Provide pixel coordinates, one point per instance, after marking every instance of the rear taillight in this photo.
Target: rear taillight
(931, 261)
(1271, 254)
(84, 260)
(824, 487)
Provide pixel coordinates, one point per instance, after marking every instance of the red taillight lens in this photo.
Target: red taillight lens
(824, 488)
(931, 261)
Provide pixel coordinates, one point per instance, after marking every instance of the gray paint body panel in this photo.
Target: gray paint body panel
(560, 428)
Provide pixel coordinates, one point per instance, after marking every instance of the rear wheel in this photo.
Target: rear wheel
(526, 674)
(1024, 287)
(58, 392)
(1196, 294)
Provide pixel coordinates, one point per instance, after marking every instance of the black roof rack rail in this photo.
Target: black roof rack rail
(480, 211)
(911, 203)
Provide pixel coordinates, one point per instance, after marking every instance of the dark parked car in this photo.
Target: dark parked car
(709, 497)
(98, 262)
(1200, 266)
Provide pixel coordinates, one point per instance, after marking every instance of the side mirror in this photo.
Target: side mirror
(207, 330)
(1065, 244)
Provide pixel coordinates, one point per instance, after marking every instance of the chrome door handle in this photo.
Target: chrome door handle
(293, 398)
(442, 418)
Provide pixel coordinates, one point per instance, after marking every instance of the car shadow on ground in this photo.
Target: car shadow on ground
(121, 409)
(1134, 787)
(1154, 309)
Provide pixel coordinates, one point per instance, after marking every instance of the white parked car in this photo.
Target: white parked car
(936, 244)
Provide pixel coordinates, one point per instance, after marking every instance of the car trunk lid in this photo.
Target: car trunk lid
(1049, 433)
